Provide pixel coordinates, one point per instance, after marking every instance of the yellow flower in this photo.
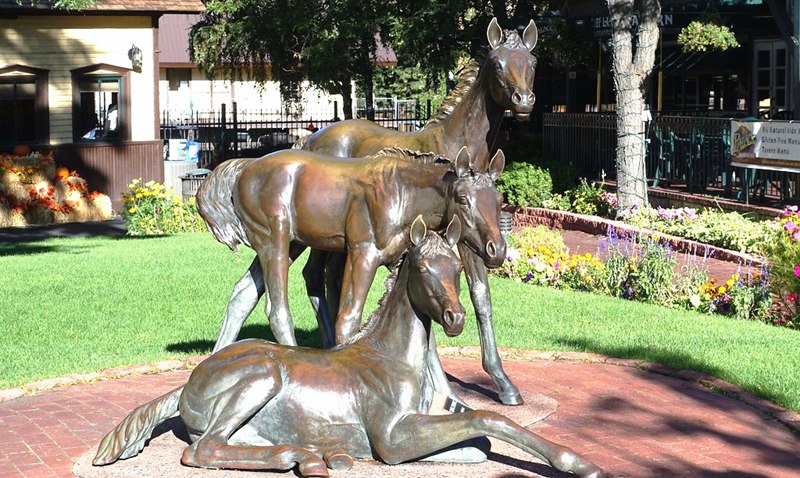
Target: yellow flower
(721, 290)
(134, 182)
(138, 195)
(192, 200)
(149, 183)
(176, 200)
(729, 283)
(132, 210)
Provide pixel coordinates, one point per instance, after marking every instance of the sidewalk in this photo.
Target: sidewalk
(630, 421)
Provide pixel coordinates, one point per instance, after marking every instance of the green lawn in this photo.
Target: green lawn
(80, 305)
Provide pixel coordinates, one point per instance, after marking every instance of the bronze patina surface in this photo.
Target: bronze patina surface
(258, 405)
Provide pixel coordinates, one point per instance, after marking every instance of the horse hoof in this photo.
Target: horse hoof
(313, 468)
(511, 398)
(338, 460)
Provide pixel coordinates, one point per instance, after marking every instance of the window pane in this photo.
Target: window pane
(763, 59)
(26, 90)
(7, 91)
(780, 57)
(99, 108)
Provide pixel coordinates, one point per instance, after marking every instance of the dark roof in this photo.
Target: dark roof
(102, 6)
(173, 41)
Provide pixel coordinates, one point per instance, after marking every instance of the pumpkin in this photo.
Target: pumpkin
(21, 150)
(62, 173)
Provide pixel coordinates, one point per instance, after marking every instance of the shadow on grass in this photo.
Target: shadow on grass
(305, 338)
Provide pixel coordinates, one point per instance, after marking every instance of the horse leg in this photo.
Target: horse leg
(275, 253)
(259, 380)
(244, 299)
(419, 435)
(478, 283)
(334, 272)
(362, 263)
(314, 275)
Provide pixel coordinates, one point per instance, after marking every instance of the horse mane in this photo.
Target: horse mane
(464, 81)
(467, 77)
(411, 155)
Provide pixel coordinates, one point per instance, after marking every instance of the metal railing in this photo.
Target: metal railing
(231, 132)
(690, 153)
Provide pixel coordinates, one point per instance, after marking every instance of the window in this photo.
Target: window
(101, 104)
(23, 105)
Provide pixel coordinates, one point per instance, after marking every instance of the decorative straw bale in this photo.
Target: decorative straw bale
(102, 205)
(38, 214)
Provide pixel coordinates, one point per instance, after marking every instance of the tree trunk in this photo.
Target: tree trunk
(346, 90)
(632, 66)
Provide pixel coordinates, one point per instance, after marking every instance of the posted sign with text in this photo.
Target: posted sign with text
(766, 145)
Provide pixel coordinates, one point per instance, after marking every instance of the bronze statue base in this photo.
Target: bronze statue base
(162, 456)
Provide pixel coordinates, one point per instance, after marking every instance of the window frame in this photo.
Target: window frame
(98, 72)
(41, 104)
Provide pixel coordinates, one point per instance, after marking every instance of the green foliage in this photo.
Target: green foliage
(730, 230)
(784, 254)
(566, 46)
(525, 185)
(150, 209)
(585, 198)
(533, 237)
(701, 35)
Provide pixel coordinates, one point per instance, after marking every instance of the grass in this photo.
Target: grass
(80, 305)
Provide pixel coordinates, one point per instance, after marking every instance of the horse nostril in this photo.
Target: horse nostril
(532, 98)
(516, 98)
(491, 249)
(448, 317)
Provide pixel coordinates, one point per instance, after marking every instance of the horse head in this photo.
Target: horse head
(512, 68)
(434, 273)
(476, 201)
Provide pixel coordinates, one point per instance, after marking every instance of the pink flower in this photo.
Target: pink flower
(797, 270)
(790, 226)
(796, 235)
(792, 297)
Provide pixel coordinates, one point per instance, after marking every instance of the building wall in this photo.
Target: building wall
(62, 43)
(201, 94)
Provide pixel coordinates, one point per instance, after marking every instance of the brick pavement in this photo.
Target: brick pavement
(631, 421)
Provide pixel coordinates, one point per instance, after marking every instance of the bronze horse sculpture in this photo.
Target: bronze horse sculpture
(256, 405)
(470, 116)
(286, 201)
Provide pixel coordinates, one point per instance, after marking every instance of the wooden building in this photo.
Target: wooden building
(84, 84)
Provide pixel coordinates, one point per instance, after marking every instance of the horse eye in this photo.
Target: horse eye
(463, 200)
(423, 270)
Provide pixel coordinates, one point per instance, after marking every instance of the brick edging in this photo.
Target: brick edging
(788, 418)
(599, 226)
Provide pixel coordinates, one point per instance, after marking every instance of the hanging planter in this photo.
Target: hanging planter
(702, 36)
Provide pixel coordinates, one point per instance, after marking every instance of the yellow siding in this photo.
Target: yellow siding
(61, 44)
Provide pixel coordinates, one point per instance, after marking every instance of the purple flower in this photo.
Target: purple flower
(790, 226)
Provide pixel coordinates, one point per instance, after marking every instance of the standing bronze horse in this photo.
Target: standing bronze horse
(255, 405)
(287, 201)
(470, 116)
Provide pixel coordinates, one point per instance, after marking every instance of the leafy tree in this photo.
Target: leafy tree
(329, 42)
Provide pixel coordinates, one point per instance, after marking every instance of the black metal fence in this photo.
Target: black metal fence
(682, 152)
(232, 132)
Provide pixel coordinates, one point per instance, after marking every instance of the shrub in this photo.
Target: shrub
(784, 255)
(151, 209)
(729, 230)
(525, 185)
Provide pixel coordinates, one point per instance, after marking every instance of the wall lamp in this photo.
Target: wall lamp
(135, 55)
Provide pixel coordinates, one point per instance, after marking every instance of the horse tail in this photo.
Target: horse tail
(215, 203)
(301, 142)
(128, 437)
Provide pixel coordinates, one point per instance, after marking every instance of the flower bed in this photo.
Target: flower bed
(638, 267)
(34, 191)
(152, 209)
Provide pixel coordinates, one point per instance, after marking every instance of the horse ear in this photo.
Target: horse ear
(463, 162)
(494, 34)
(530, 36)
(418, 230)
(497, 164)
(453, 232)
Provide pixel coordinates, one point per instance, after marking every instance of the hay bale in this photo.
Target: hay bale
(38, 214)
(102, 207)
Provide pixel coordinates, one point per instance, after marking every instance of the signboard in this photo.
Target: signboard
(766, 145)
